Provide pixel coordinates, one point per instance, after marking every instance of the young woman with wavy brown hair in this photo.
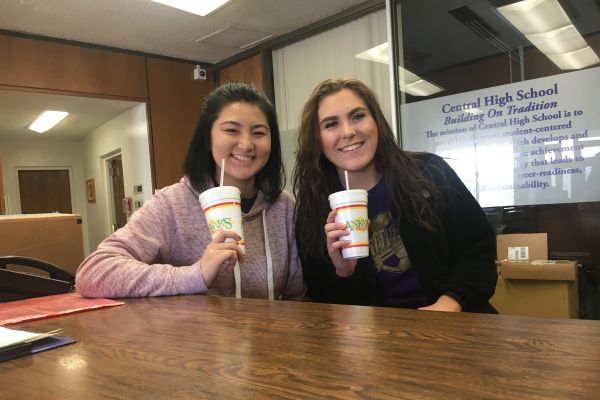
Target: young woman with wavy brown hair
(431, 246)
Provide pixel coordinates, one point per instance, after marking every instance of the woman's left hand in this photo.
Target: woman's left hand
(333, 231)
(444, 303)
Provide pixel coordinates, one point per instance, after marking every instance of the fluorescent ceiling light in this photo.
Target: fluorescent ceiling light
(546, 25)
(378, 54)
(561, 40)
(198, 7)
(47, 120)
(409, 82)
(535, 16)
(576, 59)
(420, 88)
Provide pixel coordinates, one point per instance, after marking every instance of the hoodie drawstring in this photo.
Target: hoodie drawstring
(238, 278)
(236, 270)
(269, 259)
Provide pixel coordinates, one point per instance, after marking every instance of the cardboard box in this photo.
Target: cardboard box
(546, 270)
(56, 238)
(522, 246)
(540, 288)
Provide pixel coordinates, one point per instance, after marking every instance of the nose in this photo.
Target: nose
(246, 142)
(348, 130)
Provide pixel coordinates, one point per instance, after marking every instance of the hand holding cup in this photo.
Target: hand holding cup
(350, 208)
(222, 209)
(333, 231)
(219, 254)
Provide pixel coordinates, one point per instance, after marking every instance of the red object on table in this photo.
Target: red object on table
(17, 311)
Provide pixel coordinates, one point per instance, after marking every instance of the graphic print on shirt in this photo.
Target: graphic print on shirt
(386, 245)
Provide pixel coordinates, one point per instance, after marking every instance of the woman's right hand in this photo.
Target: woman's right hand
(333, 231)
(220, 254)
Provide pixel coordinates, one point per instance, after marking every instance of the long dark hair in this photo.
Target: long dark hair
(199, 164)
(413, 196)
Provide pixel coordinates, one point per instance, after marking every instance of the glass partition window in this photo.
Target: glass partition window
(517, 116)
(516, 110)
(299, 67)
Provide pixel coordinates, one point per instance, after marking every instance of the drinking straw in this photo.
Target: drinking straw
(222, 171)
(347, 184)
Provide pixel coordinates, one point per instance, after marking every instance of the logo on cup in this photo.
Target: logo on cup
(358, 224)
(219, 224)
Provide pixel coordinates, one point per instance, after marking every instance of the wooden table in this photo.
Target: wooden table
(193, 347)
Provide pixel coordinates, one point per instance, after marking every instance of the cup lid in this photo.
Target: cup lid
(219, 192)
(352, 195)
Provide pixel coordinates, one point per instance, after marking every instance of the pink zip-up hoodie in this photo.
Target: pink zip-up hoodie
(158, 252)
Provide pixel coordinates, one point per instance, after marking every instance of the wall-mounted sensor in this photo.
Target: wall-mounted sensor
(137, 189)
(199, 73)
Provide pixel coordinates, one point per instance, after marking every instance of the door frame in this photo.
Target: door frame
(74, 209)
(108, 190)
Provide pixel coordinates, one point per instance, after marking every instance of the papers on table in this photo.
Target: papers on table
(16, 343)
(11, 337)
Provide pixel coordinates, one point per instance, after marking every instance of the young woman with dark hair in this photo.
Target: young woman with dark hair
(166, 247)
(202, 171)
(431, 246)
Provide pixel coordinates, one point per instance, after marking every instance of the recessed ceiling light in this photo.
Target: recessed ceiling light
(548, 27)
(535, 16)
(575, 59)
(198, 7)
(409, 82)
(561, 40)
(47, 120)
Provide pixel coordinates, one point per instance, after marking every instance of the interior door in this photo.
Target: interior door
(45, 191)
(2, 205)
(118, 186)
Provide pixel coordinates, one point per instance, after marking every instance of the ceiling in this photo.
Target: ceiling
(149, 27)
(141, 26)
(459, 31)
(18, 110)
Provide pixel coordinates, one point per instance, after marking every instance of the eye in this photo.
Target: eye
(232, 131)
(259, 133)
(330, 124)
(358, 116)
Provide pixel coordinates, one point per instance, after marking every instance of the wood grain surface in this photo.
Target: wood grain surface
(192, 347)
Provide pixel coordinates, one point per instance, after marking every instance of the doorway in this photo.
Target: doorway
(117, 190)
(45, 191)
(81, 144)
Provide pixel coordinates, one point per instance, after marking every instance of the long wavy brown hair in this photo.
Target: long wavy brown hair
(414, 197)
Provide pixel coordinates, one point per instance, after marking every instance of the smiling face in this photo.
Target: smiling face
(349, 135)
(242, 137)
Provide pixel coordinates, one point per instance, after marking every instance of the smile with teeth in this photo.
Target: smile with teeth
(351, 147)
(242, 157)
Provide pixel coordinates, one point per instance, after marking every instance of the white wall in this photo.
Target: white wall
(126, 134)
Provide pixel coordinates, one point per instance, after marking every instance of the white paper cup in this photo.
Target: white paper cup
(221, 206)
(351, 207)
